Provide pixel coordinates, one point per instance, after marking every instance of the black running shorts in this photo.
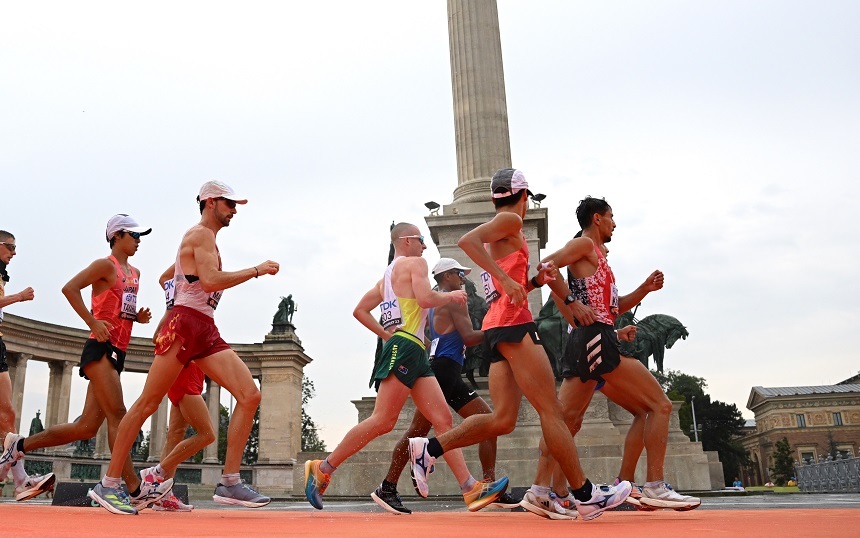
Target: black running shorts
(592, 351)
(95, 350)
(448, 374)
(513, 334)
(3, 366)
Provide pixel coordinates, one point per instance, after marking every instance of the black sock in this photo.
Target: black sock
(136, 492)
(434, 448)
(390, 487)
(20, 447)
(583, 493)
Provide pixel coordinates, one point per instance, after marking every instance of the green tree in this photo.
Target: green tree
(783, 463)
(223, 423)
(249, 457)
(310, 437)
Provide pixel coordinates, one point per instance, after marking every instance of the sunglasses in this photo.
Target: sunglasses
(230, 203)
(134, 235)
(10, 246)
(420, 238)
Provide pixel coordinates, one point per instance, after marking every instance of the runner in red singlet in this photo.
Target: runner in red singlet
(519, 365)
(114, 285)
(190, 334)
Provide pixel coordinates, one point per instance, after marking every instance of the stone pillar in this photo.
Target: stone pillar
(102, 449)
(480, 109)
(18, 373)
(213, 401)
(158, 430)
(281, 405)
(59, 391)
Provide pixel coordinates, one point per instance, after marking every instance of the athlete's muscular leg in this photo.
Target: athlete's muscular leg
(85, 427)
(506, 397)
(431, 402)
(632, 379)
(192, 409)
(389, 401)
(163, 372)
(228, 370)
(534, 376)
(176, 427)
(634, 443)
(419, 427)
(7, 412)
(487, 447)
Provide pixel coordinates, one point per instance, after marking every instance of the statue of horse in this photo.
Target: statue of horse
(654, 335)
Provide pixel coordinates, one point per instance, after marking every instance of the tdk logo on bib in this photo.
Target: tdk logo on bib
(391, 315)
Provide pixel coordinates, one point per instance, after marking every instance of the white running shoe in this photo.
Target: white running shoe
(546, 506)
(34, 485)
(663, 496)
(420, 464)
(10, 448)
(603, 498)
(152, 488)
(171, 503)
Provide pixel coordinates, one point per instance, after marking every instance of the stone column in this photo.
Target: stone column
(158, 430)
(213, 401)
(18, 373)
(59, 391)
(102, 449)
(480, 108)
(281, 405)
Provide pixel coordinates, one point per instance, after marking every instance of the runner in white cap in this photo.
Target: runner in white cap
(114, 284)
(190, 334)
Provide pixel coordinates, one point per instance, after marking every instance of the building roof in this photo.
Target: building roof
(759, 394)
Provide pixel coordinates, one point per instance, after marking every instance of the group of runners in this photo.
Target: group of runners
(188, 347)
(592, 360)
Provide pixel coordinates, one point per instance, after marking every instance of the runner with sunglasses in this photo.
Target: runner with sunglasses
(26, 487)
(114, 284)
(190, 334)
(402, 370)
(451, 331)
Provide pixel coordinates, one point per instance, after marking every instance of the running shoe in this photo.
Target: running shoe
(316, 483)
(603, 498)
(114, 500)
(152, 488)
(34, 485)
(390, 501)
(663, 496)
(635, 499)
(420, 464)
(240, 494)
(546, 506)
(505, 500)
(10, 448)
(566, 503)
(484, 493)
(171, 503)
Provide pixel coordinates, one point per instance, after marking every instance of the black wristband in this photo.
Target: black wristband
(569, 299)
(258, 272)
(535, 282)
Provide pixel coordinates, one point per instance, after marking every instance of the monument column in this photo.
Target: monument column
(158, 431)
(59, 392)
(18, 373)
(213, 402)
(102, 449)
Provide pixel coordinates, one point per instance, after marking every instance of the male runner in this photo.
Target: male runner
(114, 284)
(187, 408)
(190, 334)
(519, 365)
(402, 369)
(451, 332)
(26, 487)
(592, 355)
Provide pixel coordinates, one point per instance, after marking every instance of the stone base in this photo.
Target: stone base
(600, 444)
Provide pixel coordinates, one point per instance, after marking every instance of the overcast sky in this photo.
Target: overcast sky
(725, 136)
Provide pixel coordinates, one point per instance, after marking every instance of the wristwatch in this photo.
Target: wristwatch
(569, 299)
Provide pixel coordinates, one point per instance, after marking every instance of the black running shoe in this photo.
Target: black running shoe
(390, 501)
(505, 501)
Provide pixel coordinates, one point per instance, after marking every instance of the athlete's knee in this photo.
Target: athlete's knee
(249, 397)
(504, 423)
(573, 421)
(206, 436)
(663, 406)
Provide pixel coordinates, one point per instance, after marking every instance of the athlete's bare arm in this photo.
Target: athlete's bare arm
(101, 275)
(199, 256)
(24, 295)
(165, 276)
(364, 308)
(503, 234)
(577, 256)
(654, 282)
(627, 334)
(463, 324)
(410, 280)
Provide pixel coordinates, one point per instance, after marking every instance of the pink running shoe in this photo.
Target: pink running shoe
(170, 503)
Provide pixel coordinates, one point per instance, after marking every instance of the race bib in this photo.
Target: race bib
(1, 315)
(490, 291)
(169, 293)
(129, 306)
(391, 315)
(433, 345)
(613, 298)
(214, 298)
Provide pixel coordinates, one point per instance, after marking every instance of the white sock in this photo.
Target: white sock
(654, 484)
(18, 472)
(230, 479)
(540, 491)
(159, 470)
(467, 486)
(109, 482)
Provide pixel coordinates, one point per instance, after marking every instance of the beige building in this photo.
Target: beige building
(813, 419)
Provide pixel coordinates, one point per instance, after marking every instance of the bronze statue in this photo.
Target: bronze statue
(36, 424)
(286, 309)
(654, 335)
(552, 328)
(475, 359)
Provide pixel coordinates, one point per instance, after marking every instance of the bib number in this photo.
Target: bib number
(490, 291)
(213, 299)
(613, 299)
(129, 306)
(391, 315)
(169, 293)
(433, 345)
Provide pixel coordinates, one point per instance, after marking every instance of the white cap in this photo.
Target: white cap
(446, 264)
(218, 189)
(123, 223)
